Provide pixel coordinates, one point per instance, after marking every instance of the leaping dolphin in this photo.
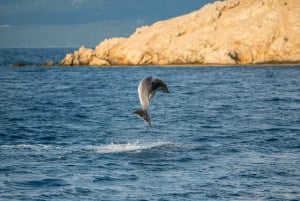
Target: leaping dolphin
(146, 90)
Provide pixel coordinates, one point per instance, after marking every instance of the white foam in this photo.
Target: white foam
(128, 147)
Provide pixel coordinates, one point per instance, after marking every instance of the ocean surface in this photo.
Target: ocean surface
(223, 133)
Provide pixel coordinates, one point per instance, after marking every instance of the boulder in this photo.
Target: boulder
(98, 62)
(49, 63)
(19, 64)
(85, 56)
(68, 60)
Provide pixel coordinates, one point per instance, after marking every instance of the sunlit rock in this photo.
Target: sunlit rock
(224, 32)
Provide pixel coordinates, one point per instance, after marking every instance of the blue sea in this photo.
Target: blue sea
(222, 133)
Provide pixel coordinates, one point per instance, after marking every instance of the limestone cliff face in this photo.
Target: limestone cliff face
(228, 32)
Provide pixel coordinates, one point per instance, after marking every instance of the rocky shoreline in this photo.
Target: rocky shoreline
(231, 32)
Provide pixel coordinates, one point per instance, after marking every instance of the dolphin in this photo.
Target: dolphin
(146, 90)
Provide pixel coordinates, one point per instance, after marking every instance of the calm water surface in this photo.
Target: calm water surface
(223, 133)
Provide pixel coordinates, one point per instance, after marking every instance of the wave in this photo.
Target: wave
(101, 149)
(27, 146)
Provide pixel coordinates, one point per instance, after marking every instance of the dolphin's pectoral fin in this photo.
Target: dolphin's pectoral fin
(144, 115)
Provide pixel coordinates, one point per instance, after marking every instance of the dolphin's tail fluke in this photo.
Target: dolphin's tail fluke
(144, 115)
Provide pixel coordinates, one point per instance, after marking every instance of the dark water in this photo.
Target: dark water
(223, 133)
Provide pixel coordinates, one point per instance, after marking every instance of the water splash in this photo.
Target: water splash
(129, 147)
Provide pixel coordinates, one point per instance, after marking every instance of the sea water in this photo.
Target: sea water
(222, 133)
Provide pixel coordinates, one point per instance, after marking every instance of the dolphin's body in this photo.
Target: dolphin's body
(146, 90)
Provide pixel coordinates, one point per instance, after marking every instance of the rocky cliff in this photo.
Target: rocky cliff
(227, 32)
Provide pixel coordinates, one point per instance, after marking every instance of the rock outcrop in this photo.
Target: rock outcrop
(228, 32)
(24, 64)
